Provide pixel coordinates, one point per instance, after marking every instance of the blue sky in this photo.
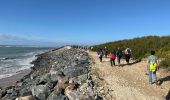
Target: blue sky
(56, 22)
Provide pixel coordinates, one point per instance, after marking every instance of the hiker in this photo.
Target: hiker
(112, 57)
(119, 55)
(152, 67)
(127, 55)
(105, 52)
(100, 54)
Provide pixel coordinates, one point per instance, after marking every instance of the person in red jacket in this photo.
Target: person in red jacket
(112, 57)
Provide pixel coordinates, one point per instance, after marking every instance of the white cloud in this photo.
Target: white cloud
(10, 37)
(38, 40)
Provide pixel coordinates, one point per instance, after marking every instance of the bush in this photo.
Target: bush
(165, 63)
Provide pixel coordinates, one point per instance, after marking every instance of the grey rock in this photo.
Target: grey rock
(57, 95)
(55, 75)
(19, 84)
(25, 92)
(73, 64)
(41, 92)
(83, 59)
(51, 84)
(9, 91)
(75, 71)
(32, 76)
(45, 78)
(2, 93)
(77, 95)
(80, 79)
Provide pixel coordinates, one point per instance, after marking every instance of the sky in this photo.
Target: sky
(86, 22)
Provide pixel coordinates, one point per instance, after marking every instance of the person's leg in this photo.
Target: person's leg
(111, 63)
(154, 77)
(114, 62)
(147, 71)
(129, 57)
(100, 59)
(150, 77)
(118, 60)
(126, 58)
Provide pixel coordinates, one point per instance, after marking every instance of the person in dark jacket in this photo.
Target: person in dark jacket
(100, 54)
(119, 55)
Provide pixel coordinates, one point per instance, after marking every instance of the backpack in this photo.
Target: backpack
(112, 56)
(128, 51)
(119, 53)
(153, 67)
(100, 54)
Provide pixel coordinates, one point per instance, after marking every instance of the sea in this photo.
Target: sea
(14, 59)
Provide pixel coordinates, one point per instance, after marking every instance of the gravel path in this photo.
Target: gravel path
(128, 82)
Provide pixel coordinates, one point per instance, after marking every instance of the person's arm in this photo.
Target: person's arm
(148, 63)
(157, 64)
(109, 55)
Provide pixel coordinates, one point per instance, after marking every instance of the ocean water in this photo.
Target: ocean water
(13, 59)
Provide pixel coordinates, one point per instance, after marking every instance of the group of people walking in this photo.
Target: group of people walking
(152, 60)
(115, 54)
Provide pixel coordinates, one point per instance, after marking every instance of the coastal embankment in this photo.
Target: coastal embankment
(59, 74)
(72, 73)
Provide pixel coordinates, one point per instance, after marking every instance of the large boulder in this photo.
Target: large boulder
(83, 59)
(57, 95)
(77, 95)
(2, 93)
(41, 92)
(61, 86)
(80, 79)
(25, 92)
(55, 75)
(75, 71)
(45, 78)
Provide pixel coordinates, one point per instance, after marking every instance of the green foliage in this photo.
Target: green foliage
(141, 47)
(165, 63)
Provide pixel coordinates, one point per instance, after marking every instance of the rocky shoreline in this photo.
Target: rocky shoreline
(60, 74)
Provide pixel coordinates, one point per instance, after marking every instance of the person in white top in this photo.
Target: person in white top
(128, 53)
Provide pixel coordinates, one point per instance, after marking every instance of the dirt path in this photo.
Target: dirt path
(126, 83)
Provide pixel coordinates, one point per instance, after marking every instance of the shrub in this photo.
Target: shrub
(165, 63)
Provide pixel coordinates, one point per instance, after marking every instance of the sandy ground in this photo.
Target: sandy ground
(128, 82)
(10, 81)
